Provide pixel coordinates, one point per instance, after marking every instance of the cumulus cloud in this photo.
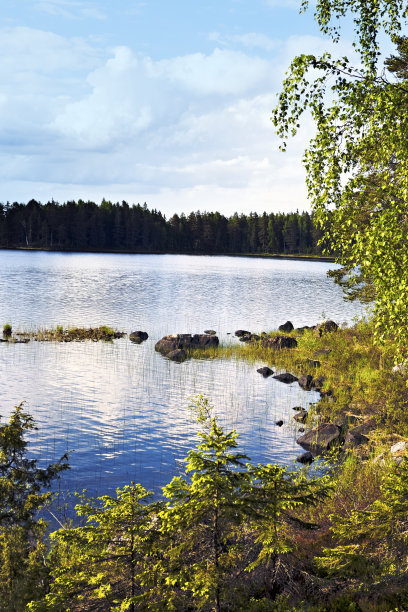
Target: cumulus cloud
(182, 133)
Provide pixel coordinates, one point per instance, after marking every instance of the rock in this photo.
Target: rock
(305, 458)
(279, 342)
(400, 368)
(352, 440)
(320, 439)
(298, 408)
(138, 336)
(323, 351)
(305, 381)
(279, 423)
(210, 332)
(364, 428)
(301, 416)
(186, 342)
(245, 338)
(313, 363)
(301, 429)
(265, 371)
(326, 327)
(398, 460)
(318, 383)
(286, 327)
(178, 355)
(255, 338)
(285, 377)
(242, 332)
(399, 447)
(300, 330)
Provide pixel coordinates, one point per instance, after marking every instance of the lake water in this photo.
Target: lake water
(122, 408)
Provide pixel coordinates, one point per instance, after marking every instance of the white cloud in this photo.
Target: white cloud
(182, 133)
(289, 4)
(69, 9)
(248, 40)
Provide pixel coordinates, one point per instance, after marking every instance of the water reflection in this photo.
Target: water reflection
(122, 407)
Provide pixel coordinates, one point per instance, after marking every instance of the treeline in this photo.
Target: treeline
(87, 226)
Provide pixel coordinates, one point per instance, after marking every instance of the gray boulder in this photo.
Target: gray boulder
(326, 327)
(301, 416)
(286, 327)
(399, 447)
(277, 343)
(242, 332)
(354, 439)
(185, 342)
(265, 371)
(305, 458)
(178, 355)
(321, 438)
(285, 377)
(305, 381)
(138, 336)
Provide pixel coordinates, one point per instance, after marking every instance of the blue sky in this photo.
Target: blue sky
(156, 101)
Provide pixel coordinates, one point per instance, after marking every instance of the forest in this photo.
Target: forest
(119, 227)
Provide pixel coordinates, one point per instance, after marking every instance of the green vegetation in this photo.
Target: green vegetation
(73, 334)
(22, 534)
(7, 330)
(228, 535)
(86, 226)
(357, 163)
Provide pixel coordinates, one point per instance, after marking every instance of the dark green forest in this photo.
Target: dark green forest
(121, 227)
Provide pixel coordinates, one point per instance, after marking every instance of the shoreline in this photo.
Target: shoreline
(295, 257)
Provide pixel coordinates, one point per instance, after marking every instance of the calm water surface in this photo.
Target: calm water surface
(122, 408)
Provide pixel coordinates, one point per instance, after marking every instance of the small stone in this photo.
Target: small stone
(301, 416)
(301, 429)
(399, 447)
(265, 371)
(286, 327)
(323, 351)
(305, 458)
(279, 423)
(137, 337)
(326, 327)
(210, 332)
(305, 381)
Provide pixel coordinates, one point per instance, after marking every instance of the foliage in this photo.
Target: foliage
(87, 226)
(227, 505)
(371, 544)
(357, 164)
(22, 484)
(7, 329)
(111, 563)
(21, 480)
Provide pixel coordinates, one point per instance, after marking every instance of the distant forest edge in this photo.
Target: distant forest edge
(87, 226)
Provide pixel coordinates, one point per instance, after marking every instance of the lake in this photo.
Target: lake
(122, 408)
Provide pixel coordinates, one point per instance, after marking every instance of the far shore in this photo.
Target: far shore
(293, 256)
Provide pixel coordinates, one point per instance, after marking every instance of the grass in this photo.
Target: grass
(359, 382)
(73, 334)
